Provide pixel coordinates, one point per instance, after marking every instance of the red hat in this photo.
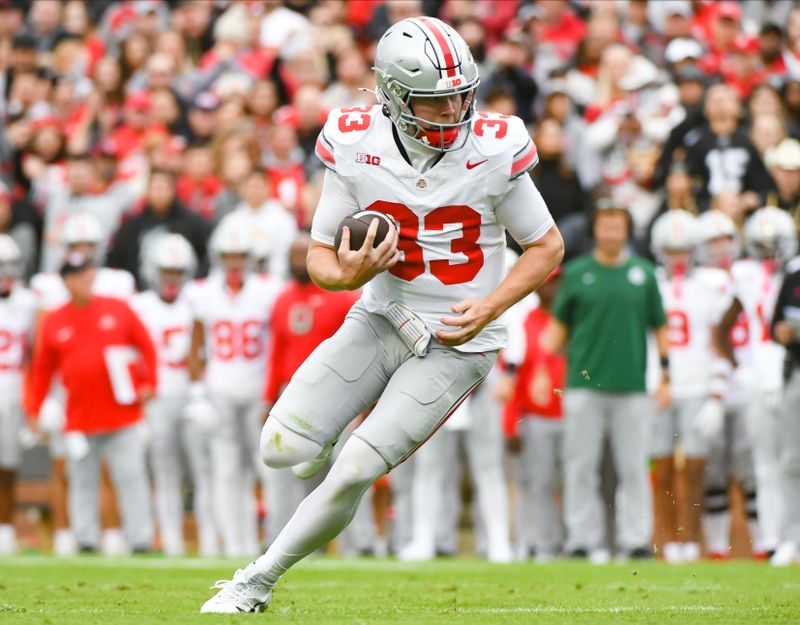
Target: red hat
(286, 115)
(729, 10)
(47, 121)
(744, 44)
(138, 100)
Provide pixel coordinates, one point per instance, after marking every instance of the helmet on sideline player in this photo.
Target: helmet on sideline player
(769, 234)
(10, 264)
(423, 57)
(170, 266)
(718, 240)
(232, 250)
(673, 241)
(83, 232)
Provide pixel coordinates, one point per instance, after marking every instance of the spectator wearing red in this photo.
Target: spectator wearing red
(198, 187)
(560, 27)
(533, 426)
(137, 127)
(742, 69)
(720, 23)
(107, 364)
(770, 40)
(284, 165)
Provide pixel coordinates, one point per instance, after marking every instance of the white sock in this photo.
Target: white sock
(716, 528)
(324, 513)
(8, 539)
(493, 504)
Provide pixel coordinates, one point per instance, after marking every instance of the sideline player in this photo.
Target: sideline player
(771, 240)
(167, 317)
(17, 314)
(729, 446)
(231, 311)
(695, 299)
(426, 331)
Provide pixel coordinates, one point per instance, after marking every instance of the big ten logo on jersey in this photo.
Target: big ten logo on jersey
(174, 348)
(13, 346)
(368, 159)
(678, 328)
(238, 340)
(443, 218)
(301, 318)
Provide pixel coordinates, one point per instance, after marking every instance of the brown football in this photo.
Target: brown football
(359, 224)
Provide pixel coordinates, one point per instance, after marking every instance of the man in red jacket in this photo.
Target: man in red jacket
(533, 424)
(304, 315)
(107, 363)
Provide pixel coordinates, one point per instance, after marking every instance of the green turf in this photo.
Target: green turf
(143, 591)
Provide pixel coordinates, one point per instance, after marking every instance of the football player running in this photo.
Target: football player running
(168, 319)
(231, 311)
(17, 313)
(425, 332)
(771, 240)
(695, 299)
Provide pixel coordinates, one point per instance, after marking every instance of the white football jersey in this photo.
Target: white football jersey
(236, 331)
(52, 294)
(170, 327)
(757, 288)
(451, 218)
(693, 304)
(17, 316)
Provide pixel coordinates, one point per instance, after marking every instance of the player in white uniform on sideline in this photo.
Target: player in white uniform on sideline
(17, 314)
(168, 319)
(82, 233)
(771, 240)
(426, 331)
(729, 453)
(695, 299)
(231, 310)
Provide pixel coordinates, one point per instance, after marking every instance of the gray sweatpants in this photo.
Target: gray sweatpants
(626, 419)
(790, 458)
(539, 523)
(124, 451)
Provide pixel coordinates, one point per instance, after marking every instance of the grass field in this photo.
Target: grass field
(149, 590)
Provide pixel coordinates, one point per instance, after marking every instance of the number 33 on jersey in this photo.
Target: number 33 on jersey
(451, 218)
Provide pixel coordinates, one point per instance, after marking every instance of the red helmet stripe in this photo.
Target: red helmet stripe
(444, 44)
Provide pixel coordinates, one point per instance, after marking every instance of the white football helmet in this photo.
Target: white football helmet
(674, 231)
(770, 234)
(424, 57)
(718, 240)
(10, 264)
(170, 252)
(82, 228)
(232, 237)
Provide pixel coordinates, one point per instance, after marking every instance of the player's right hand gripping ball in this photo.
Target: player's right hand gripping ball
(359, 224)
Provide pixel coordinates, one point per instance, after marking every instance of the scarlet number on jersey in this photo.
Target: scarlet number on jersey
(7, 341)
(764, 322)
(678, 328)
(355, 118)
(412, 264)
(237, 340)
(493, 121)
(175, 347)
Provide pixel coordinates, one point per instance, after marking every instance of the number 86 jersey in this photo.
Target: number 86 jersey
(451, 218)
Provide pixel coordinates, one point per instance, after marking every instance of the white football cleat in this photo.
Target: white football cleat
(8, 540)
(237, 595)
(113, 543)
(673, 553)
(599, 556)
(307, 470)
(416, 552)
(501, 554)
(64, 544)
(787, 553)
(691, 552)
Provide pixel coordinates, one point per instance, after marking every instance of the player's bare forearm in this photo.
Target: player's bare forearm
(720, 333)
(195, 364)
(347, 270)
(536, 263)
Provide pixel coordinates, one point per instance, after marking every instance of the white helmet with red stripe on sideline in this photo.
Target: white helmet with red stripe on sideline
(170, 265)
(674, 239)
(718, 240)
(82, 228)
(424, 57)
(770, 234)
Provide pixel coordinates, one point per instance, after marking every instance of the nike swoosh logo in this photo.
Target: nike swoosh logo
(471, 165)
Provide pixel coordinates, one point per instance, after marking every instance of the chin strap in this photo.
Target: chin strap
(439, 138)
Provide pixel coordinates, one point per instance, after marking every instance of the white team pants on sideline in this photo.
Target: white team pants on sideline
(175, 438)
(626, 419)
(125, 453)
(236, 466)
(790, 458)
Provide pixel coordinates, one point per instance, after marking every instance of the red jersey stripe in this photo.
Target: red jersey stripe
(324, 153)
(524, 162)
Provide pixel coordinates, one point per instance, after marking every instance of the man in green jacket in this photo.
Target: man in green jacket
(608, 301)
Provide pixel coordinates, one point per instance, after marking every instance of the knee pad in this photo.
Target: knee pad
(357, 466)
(280, 447)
